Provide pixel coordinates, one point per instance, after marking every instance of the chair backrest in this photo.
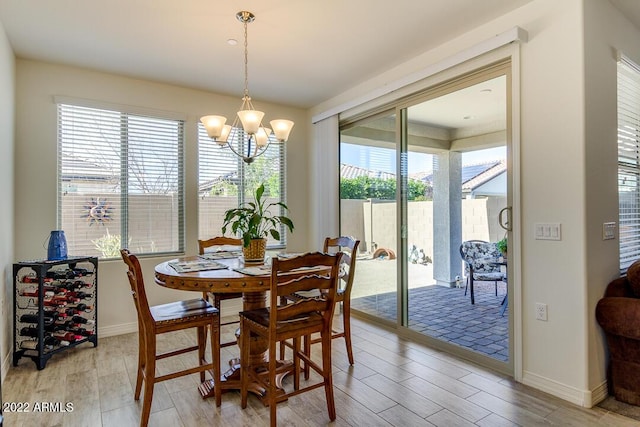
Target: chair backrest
(136, 282)
(313, 274)
(349, 247)
(476, 253)
(218, 241)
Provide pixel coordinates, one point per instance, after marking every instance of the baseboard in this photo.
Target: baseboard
(123, 328)
(600, 393)
(6, 364)
(584, 398)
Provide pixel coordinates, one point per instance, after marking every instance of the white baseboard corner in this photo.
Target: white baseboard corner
(584, 398)
(598, 394)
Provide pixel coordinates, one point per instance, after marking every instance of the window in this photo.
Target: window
(225, 182)
(629, 162)
(120, 182)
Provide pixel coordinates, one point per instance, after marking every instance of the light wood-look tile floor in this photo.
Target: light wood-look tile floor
(393, 382)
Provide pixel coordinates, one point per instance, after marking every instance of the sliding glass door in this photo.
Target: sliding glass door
(368, 211)
(415, 183)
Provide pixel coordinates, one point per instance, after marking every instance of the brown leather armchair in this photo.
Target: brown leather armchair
(618, 313)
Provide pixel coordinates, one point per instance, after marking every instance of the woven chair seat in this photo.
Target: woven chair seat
(181, 310)
(490, 277)
(260, 317)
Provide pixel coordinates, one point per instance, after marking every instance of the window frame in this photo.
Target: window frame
(134, 117)
(241, 180)
(628, 107)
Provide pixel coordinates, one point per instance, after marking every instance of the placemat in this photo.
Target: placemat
(191, 266)
(220, 255)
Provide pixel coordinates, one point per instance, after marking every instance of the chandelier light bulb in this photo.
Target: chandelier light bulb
(226, 131)
(213, 125)
(281, 129)
(262, 136)
(251, 120)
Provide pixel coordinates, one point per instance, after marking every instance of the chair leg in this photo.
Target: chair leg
(307, 351)
(244, 367)
(327, 374)
(142, 348)
(466, 286)
(283, 301)
(272, 387)
(215, 356)
(496, 283)
(150, 374)
(473, 299)
(346, 326)
(202, 342)
(296, 363)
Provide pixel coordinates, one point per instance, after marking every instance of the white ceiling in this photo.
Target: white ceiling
(301, 52)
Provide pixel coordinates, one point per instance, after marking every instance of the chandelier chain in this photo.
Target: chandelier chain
(246, 62)
(253, 134)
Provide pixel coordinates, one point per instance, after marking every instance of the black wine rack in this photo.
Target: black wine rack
(55, 305)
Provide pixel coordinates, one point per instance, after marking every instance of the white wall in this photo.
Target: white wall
(567, 154)
(7, 118)
(38, 82)
(606, 30)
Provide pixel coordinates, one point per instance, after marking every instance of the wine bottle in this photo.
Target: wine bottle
(82, 331)
(80, 319)
(67, 336)
(79, 294)
(61, 274)
(54, 327)
(81, 307)
(82, 272)
(29, 332)
(33, 318)
(54, 302)
(56, 314)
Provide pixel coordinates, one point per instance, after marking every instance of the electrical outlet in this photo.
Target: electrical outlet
(541, 311)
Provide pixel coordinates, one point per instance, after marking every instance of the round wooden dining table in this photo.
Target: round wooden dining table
(224, 280)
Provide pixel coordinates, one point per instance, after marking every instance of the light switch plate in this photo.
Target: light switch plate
(548, 231)
(608, 231)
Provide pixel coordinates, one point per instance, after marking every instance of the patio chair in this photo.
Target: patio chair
(479, 257)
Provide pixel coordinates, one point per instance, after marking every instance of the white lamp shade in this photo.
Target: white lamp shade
(226, 130)
(250, 120)
(213, 125)
(262, 136)
(281, 129)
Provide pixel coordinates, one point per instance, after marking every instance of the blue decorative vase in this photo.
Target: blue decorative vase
(57, 246)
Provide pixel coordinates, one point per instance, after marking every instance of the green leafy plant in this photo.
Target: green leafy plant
(502, 245)
(254, 220)
(109, 245)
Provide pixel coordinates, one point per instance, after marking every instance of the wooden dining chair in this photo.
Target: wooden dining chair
(160, 319)
(313, 272)
(349, 248)
(217, 297)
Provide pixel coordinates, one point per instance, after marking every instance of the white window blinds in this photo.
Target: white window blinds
(629, 161)
(225, 182)
(120, 179)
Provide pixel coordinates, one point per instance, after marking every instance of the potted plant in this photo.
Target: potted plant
(502, 246)
(254, 222)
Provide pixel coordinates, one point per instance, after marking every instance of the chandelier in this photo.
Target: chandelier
(253, 139)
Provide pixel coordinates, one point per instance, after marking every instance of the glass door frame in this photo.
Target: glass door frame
(487, 72)
(506, 59)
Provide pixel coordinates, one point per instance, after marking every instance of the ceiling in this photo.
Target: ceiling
(301, 52)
